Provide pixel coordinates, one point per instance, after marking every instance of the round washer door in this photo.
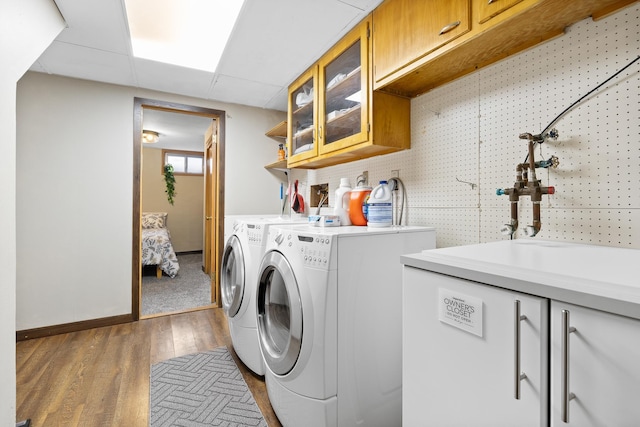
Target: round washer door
(279, 313)
(232, 276)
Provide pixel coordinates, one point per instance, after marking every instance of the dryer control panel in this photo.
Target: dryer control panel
(314, 250)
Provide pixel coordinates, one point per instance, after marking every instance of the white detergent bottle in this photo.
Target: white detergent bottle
(341, 207)
(380, 206)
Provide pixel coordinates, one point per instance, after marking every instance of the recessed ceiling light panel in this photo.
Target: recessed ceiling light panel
(187, 33)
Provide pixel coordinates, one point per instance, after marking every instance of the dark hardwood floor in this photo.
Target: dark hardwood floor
(100, 377)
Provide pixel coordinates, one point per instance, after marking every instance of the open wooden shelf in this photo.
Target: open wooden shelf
(279, 131)
(280, 164)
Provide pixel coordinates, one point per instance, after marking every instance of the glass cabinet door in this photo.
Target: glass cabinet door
(344, 95)
(303, 97)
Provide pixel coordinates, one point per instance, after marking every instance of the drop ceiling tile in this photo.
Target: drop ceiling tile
(37, 67)
(98, 24)
(273, 42)
(173, 79)
(240, 91)
(363, 4)
(278, 101)
(274, 54)
(86, 63)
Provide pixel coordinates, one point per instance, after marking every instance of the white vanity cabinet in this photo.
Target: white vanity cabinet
(454, 377)
(603, 368)
(574, 336)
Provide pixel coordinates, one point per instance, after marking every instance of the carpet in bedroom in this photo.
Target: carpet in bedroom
(190, 288)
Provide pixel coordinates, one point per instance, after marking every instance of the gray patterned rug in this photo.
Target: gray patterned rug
(202, 389)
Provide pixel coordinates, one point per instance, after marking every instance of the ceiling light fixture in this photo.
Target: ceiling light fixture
(187, 33)
(150, 137)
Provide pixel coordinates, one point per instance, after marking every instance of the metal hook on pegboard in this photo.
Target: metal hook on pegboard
(473, 186)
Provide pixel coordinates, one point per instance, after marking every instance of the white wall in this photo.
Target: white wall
(185, 217)
(26, 29)
(74, 183)
(469, 129)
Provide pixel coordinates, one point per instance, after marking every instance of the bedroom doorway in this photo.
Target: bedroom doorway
(208, 187)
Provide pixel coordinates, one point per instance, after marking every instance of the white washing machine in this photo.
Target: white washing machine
(243, 251)
(329, 305)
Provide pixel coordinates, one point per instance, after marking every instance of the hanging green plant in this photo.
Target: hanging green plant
(170, 180)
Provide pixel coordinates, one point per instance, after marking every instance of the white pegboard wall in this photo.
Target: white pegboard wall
(603, 227)
(454, 226)
(598, 146)
(445, 140)
(469, 129)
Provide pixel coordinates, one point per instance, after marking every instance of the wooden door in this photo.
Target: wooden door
(208, 211)
(210, 201)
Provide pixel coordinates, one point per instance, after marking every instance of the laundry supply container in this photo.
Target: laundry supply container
(380, 206)
(358, 205)
(341, 208)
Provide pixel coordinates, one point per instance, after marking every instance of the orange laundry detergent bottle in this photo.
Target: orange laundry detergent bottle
(358, 205)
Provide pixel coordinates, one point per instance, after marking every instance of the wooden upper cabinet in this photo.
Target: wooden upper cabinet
(407, 30)
(409, 60)
(487, 9)
(346, 120)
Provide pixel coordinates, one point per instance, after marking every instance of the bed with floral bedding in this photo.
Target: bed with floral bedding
(156, 244)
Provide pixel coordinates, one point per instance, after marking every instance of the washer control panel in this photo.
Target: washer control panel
(255, 233)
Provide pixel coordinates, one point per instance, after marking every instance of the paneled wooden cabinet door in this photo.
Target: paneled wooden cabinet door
(303, 113)
(603, 368)
(344, 98)
(487, 9)
(406, 30)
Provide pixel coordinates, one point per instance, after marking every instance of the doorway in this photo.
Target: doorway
(213, 183)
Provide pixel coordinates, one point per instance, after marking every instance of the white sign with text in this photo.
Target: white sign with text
(459, 310)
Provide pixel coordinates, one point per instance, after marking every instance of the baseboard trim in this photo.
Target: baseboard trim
(65, 328)
(189, 252)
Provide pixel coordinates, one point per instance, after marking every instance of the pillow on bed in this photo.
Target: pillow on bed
(154, 219)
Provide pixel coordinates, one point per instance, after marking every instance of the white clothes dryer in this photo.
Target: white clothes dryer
(329, 305)
(240, 261)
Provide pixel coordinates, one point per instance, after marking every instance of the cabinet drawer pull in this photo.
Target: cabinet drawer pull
(564, 366)
(492, 1)
(449, 27)
(518, 375)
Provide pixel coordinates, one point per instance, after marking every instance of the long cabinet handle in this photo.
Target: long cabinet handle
(448, 27)
(492, 1)
(564, 366)
(518, 374)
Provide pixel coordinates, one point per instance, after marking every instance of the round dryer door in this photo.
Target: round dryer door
(232, 276)
(279, 313)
